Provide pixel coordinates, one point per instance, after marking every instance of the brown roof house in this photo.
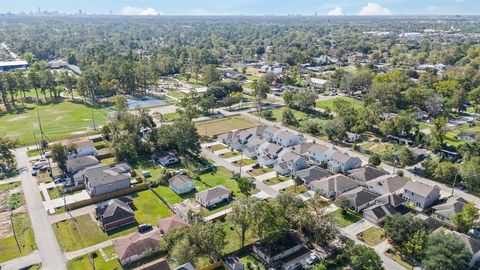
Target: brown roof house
(158, 264)
(211, 197)
(115, 213)
(136, 246)
(167, 224)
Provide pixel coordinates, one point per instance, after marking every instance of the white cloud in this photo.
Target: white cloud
(336, 11)
(128, 10)
(374, 9)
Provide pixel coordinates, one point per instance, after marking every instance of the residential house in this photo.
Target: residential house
(181, 184)
(174, 222)
(446, 210)
(166, 158)
(186, 266)
(359, 198)
(286, 245)
(302, 149)
(268, 153)
(448, 155)
(232, 262)
(365, 174)
(213, 196)
(334, 185)
(286, 138)
(234, 75)
(311, 174)
(136, 246)
(431, 224)
(271, 69)
(352, 137)
(316, 83)
(105, 179)
(421, 195)
(270, 133)
(472, 244)
(83, 148)
(158, 264)
(320, 154)
(288, 163)
(387, 184)
(341, 162)
(76, 164)
(399, 140)
(385, 206)
(186, 208)
(115, 213)
(251, 149)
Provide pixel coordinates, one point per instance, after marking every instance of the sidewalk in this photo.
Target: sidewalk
(22, 262)
(75, 254)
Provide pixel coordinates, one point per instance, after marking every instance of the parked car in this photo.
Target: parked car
(144, 228)
(313, 259)
(60, 180)
(38, 166)
(295, 266)
(256, 166)
(34, 172)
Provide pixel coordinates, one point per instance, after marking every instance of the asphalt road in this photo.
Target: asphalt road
(52, 257)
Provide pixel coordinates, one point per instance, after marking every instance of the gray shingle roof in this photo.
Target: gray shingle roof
(313, 173)
(107, 174)
(366, 173)
(212, 193)
(419, 188)
(81, 162)
(179, 180)
(336, 183)
(359, 196)
(452, 206)
(389, 183)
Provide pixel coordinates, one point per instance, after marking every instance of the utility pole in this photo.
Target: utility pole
(93, 103)
(454, 183)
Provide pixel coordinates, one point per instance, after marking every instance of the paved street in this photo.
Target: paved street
(50, 253)
(22, 262)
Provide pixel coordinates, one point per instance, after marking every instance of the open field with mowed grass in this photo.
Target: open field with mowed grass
(83, 231)
(327, 104)
(221, 176)
(59, 120)
(223, 125)
(26, 242)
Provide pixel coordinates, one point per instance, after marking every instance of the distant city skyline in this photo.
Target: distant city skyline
(247, 7)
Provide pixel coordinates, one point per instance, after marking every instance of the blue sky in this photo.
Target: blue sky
(248, 7)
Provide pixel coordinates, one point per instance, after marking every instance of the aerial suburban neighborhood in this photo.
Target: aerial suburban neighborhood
(338, 137)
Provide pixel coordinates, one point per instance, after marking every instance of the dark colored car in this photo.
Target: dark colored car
(144, 228)
(295, 266)
(256, 166)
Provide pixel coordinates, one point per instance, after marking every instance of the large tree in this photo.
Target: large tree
(363, 257)
(400, 229)
(241, 217)
(446, 252)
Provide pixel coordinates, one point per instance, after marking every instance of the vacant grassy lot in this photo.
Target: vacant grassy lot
(277, 115)
(244, 162)
(168, 116)
(372, 236)
(223, 125)
(344, 220)
(59, 120)
(84, 263)
(26, 242)
(83, 231)
(327, 104)
(233, 241)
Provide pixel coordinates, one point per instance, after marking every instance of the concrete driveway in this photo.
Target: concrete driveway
(357, 227)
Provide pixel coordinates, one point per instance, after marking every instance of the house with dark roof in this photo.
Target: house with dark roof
(334, 185)
(234, 75)
(115, 213)
(289, 162)
(421, 195)
(186, 266)
(341, 162)
(174, 222)
(468, 136)
(385, 206)
(286, 245)
(359, 198)
(136, 246)
(446, 210)
(365, 174)
(387, 184)
(181, 184)
(312, 173)
(104, 179)
(76, 164)
(158, 264)
(211, 197)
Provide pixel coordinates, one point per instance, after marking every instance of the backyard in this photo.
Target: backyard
(223, 125)
(83, 231)
(59, 120)
(26, 242)
(344, 220)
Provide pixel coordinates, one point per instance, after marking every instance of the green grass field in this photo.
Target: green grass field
(217, 147)
(327, 104)
(244, 162)
(277, 115)
(221, 176)
(59, 120)
(223, 125)
(344, 220)
(84, 263)
(26, 242)
(230, 154)
(260, 171)
(83, 231)
(9, 186)
(372, 236)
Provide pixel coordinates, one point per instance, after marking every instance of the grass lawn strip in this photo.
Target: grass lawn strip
(260, 171)
(345, 220)
(84, 262)
(149, 208)
(372, 236)
(9, 186)
(216, 147)
(8, 246)
(275, 180)
(230, 155)
(244, 162)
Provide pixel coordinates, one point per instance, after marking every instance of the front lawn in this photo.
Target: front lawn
(260, 171)
(296, 189)
(276, 180)
(244, 162)
(372, 236)
(230, 154)
(26, 242)
(349, 218)
(85, 263)
(223, 125)
(9, 186)
(217, 147)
